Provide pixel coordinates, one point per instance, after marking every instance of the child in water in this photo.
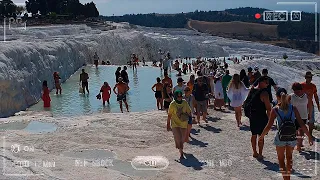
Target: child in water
(45, 95)
(106, 91)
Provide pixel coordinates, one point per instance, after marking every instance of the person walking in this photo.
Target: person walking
(122, 89)
(45, 95)
(190, 99)
(225, 82)
(96, 59)
(167, 96)
(218, 92)
(57, 82)
(106, 92)
(84, 80)
(237, 93)
(124, 75)
(244, 78)
(177, 121)
(259, 114)
(200, 91)
(311, 90)
(285, 140)
(118, 74)
(299, 99)
(158, 93)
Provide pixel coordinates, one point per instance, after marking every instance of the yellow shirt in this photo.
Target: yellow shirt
(175, 121)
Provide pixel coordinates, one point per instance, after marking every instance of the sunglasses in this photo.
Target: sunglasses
(308, 77)
(179, 96)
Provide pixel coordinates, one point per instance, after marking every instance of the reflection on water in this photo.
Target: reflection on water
(140, 96)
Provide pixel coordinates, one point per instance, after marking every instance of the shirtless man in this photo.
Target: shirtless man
(122, 89)
(84, 79)
(158, 93)
(167, 79)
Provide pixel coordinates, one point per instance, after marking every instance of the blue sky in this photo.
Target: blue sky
(121, 7)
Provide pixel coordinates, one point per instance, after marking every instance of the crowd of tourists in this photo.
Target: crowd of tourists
(249, 92)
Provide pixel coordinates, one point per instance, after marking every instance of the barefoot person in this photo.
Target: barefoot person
(180, 86)
(158, 93)
(311, 90)
(200, 91)
(285, 142)
(106, 91)
(96, 59)
(237, 93)
(84, 79)
(299, 99)
(260, 111)
(45, 95)
(190, 100)
(122, 89)
(57, 82)
(167, 96)
(177, 121)
(225, 82)
(218, 92)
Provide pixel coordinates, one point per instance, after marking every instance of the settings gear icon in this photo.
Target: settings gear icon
(15, 148)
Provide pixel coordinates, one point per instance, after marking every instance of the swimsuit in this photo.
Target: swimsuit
(121, 97)
(158, 94)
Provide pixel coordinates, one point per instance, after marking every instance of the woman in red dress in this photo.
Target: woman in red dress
(106, 91)
(45, 94)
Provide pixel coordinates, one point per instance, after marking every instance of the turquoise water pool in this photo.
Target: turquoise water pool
(140, 96)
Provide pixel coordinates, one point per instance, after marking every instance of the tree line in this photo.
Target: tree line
(72, 8)
(305, 29)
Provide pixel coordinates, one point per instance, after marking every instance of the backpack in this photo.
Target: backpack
(287, 128)
(247, 105)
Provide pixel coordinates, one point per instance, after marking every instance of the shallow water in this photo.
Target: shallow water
(140, 96)
(34, 127)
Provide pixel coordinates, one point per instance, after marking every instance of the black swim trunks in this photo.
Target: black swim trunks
(85, 84)
(121, 97)
(158, 94)
(166, 104)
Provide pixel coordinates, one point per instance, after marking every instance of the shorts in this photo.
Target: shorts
(58, 85)
(190, 120)
(298, 125)
(166, 104)
(202, 106)
(121, 97)
(85, 85)
(312, 119)
(158, 94)
(279, 143)
(96, 62)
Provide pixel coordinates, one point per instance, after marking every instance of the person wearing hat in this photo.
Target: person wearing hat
(311, 90)
(284, 147)
(122, 89)
(180, 86)
(271, 83)
(260, 111)
(225, 82)
(177, 121)
(218, 92)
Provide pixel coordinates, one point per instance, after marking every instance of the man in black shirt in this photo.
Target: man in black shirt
(124, 75)
(200, 92)
(271, 83)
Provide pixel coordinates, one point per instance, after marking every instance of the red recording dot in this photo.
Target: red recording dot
(257, 16)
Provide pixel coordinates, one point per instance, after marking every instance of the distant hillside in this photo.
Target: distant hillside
(303, 30)
(235, 29)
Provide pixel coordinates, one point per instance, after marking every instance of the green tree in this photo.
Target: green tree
(7, 8)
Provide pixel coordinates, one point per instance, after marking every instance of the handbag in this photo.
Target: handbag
(80, 89)
(182, 115)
